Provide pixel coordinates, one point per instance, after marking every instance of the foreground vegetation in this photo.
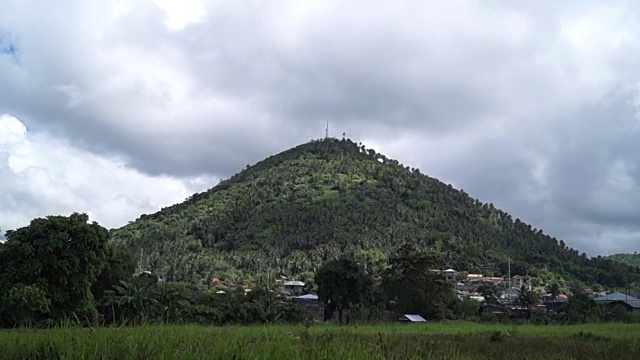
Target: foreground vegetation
(410, 341)
(63, 268)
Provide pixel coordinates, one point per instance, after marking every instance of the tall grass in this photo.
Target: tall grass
(410, 341)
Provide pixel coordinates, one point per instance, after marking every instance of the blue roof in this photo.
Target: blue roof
(628, 299)
(617, 297)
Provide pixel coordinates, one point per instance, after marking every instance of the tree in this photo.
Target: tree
(528, 298)
(582, 309)
(341, 284)
(489, 292)
(554, 290)
(120, 266)
(23, 305)
(410, 283)
(467, 309)
(63, 256)
(136, 299)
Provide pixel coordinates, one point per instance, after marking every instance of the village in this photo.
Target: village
(498, 297)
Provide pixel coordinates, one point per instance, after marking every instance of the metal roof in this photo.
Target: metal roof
(307, 297)
(614, 297)
(617, 297)
(414, 318)
(294, 283)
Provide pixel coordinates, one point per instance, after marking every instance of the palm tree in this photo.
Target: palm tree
(528, 298)
(554, 290)
(136, 299)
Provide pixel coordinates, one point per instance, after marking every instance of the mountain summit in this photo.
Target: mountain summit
(293, 211)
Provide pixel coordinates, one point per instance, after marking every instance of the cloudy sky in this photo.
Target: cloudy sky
(120, 108)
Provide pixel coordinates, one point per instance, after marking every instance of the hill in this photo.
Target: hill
(628, 259)
(293, 211)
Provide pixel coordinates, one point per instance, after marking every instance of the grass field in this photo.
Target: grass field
(410, 341)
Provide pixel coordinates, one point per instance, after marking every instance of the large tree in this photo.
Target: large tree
(61, 255)
(341, 284)
(413, 287)
(528, 298)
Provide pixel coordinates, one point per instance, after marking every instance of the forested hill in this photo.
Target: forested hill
(293, 211)
(628, 259)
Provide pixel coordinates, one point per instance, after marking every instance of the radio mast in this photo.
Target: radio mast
(326, 131)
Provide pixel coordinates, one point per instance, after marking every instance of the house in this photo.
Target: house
(517, 281)
(509, 296)
(412, 318)
(630, 303)
(311, 306)
(294, 287)
(494, 281)
(451, 275)
(309, 297)
(549, 297)
(474, 278)
(494, 309)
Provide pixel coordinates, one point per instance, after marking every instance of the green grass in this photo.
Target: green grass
(410, 341)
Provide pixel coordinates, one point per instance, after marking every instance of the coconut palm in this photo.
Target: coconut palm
(554, 290)
(528, 298)
(135, 299)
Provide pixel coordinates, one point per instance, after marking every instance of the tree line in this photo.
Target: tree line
(65, 269)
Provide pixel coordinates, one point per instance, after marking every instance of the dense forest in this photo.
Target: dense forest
(628, 259)
(294, 211)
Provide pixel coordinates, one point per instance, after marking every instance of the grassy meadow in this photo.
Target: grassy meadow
(402, 341)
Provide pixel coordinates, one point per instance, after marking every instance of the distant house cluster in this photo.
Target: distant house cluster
(628, 302)
(507, 299)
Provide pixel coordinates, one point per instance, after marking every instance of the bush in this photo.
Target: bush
(467, 309)
(24, 305)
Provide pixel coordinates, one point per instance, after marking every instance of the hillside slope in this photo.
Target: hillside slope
(293, 211)
(628, 259)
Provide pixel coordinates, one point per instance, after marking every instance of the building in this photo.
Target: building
(509, 296)
(311, 306)
(412, 318)
(294, 287)
(310, 297)
(517, 281)
(451, 276)
(494, 281)
(630, 303)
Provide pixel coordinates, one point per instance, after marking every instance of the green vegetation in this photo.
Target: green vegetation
(413, 341)
(49, 268)
(628, 259)
(294, 211)
(414, 288)
(341, 284)
(365, 233)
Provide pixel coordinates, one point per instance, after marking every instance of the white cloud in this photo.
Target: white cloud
(181, 13)
(42, 176)
(523, 104)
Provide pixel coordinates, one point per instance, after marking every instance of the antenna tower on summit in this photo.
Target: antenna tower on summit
(326, 131)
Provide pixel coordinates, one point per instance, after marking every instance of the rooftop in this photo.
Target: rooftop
(628, 299)
(616, 297)
(413, 318)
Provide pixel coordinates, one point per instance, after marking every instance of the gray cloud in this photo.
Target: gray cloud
(531, 106)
